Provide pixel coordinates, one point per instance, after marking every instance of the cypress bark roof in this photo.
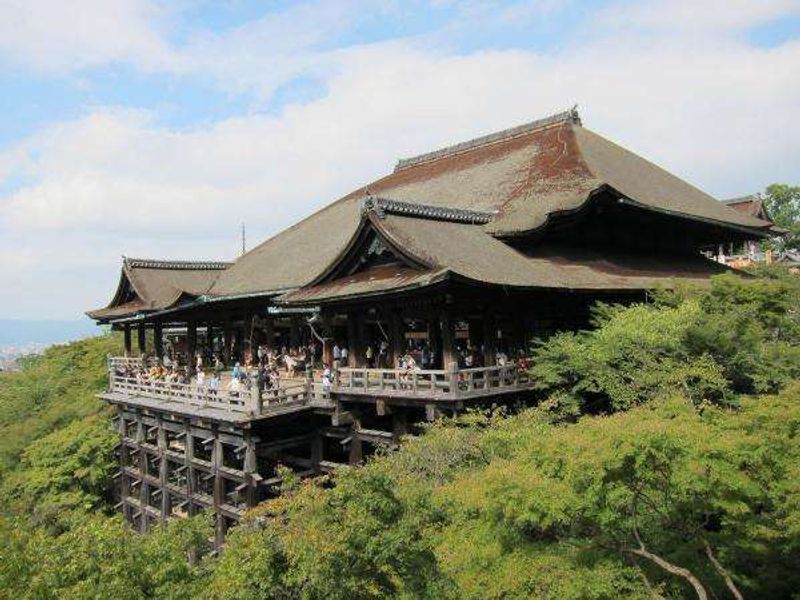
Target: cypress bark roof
(149, 285)
(521, 176)
(453, 248)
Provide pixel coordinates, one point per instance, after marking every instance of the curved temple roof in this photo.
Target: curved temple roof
(452, 208)
(521, 176)
(150, 285)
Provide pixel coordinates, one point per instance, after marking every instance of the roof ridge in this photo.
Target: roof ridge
(748, 198)
(188, 265)
(567, 116)
(383, 206)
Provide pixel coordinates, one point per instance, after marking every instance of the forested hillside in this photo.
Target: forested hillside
(662, 459)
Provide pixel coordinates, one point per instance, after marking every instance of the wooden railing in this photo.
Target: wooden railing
(446, 384)
(450, 384)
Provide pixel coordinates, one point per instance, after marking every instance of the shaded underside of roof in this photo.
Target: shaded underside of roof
(523, 175)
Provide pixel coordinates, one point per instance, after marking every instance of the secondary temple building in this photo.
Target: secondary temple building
(459, 257)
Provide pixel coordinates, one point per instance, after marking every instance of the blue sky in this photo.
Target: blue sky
(150, 128)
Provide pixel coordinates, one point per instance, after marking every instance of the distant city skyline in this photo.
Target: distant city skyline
(155, 129)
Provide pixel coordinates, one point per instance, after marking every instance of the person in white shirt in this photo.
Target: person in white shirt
(201, 380)
(337, 356)
(345, 355)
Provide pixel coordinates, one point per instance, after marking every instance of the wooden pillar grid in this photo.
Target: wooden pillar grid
(189, 464)
(144, 487)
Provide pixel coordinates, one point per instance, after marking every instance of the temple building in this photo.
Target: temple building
(459, 258)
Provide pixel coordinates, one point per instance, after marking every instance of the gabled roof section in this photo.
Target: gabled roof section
(147, 285)
(454, 248)
(521, 176)
(752, 205)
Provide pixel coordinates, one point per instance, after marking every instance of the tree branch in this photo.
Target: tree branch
(668, 566)
(723, 572)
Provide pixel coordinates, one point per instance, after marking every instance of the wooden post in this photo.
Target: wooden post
(158, 340)
(356, 450)
(142, 339)
(227, 341)
(396, 334)
(249, 468)
(269, 327)
(163, 470)
(191, 345)
(188, 461)
(294, 333)
(448, 340)
(144, 486)
(219, 490)
(489, 339)
(353, 346)
(127, 336)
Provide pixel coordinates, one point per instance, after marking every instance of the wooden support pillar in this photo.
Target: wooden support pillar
(249, 467)
(238, 344)
(294, 332)
(448, 340)
(399, 424)
(124, 461)
(158, 340)
(219, 490)
(163, 470)
(316, 451)
(269, 332)
(141, 339)
(397, 339)
(356, 450)
(489, 339)
(144, 486)
(247, 349)
(127, 336)
(188, 463)
(353, 343)
(191, 345)
(227, 341)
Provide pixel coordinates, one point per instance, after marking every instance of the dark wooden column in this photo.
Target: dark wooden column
(397, 341)
(191, 344)
(227, 340)
(158, 340)
(238, 343)
(489, 339)
(354, 346)
(127, 336)
(294, 332)
(269, 332)
(448, 339)
(142, 339)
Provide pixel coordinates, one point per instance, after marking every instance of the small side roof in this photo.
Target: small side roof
(147, 285)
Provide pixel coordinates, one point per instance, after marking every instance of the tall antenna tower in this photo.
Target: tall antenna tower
(243, 239)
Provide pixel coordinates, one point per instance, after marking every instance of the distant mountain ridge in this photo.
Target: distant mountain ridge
(19, 332)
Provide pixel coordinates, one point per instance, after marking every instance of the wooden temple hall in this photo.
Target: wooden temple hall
(457, 258)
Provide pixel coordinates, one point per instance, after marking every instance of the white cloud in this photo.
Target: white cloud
(714, 110)
(57, 35)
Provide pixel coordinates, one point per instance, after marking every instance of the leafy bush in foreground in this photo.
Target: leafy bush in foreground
(739, 336)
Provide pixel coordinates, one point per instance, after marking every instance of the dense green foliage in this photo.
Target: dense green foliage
(663, 459)
(782, 202)
(738, 336)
